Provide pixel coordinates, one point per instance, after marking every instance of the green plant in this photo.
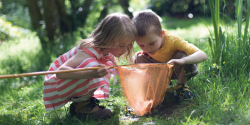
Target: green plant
(215, 49)
(224, 44)
(247, 24)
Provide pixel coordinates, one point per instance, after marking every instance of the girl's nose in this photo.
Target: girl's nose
(148, 48)
(125, 49)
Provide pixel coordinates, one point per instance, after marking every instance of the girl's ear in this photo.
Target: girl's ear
(162, 33)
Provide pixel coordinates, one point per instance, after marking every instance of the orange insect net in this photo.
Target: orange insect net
(144, 85)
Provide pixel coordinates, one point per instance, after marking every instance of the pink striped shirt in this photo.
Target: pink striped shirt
(57, 92)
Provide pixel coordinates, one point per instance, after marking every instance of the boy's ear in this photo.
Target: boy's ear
(162, 33)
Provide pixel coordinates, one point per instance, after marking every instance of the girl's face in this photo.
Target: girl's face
(120, 48)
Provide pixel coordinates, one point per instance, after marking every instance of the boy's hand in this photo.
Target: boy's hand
(177, 62)
(101, 72)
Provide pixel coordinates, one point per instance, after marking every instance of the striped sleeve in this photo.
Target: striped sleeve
(57, 92)
(93, 52)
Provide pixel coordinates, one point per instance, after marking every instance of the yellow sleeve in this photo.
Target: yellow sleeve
(182, 45)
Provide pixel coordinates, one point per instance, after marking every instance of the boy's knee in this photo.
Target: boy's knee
(141, 58)
(190, 70)
(179, 55)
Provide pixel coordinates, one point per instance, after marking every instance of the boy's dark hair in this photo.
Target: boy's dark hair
(146, 20)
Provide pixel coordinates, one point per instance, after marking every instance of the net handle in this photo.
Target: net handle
(50, 72)
(54, 72)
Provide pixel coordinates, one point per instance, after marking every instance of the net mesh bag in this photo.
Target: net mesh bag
(144, 85)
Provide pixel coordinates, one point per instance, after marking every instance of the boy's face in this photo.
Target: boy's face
(151, 42)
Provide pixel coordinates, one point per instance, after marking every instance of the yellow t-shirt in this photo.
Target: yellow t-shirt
(172, 45)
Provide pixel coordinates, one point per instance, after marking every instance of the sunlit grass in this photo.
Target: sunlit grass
(28, 43)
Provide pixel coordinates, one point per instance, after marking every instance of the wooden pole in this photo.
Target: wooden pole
(54, 72)
(49, 72)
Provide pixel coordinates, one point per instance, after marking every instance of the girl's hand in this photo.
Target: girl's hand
(177, 62)
(101, 72)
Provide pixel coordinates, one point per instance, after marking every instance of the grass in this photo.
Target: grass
(26, 44)
(217, 99)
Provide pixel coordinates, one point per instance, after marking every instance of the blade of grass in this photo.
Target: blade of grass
(247, 23)
(209, 39)
(211, 4)
(239, 16)
(217, 36)
(215, 18)
(239, 21)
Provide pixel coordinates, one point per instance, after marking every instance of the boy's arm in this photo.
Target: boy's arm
(195, 58)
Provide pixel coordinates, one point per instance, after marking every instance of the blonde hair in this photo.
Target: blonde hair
(146, 20)
(109, 30)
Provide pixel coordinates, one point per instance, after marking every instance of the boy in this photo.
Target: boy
(161, 46)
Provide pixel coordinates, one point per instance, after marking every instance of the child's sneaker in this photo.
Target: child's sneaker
(183, 92)
(90, 109)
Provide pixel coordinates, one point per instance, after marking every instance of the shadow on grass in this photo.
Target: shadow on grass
(69, 120)
(164, 113)
(14, 119)
(6, 118)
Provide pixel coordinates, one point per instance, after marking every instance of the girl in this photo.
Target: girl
(113, 37)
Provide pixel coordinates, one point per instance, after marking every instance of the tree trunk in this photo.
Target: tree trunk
(125, 6)
(192, 7)
(64, 20)
(75, 4)
(104, 11)
(82, 15)
(35, 14)
(50, 18)
(79, 12)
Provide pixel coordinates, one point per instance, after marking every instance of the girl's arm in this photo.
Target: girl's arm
(86, 74)
(113, 60)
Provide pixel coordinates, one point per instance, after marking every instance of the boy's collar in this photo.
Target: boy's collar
(162, 41)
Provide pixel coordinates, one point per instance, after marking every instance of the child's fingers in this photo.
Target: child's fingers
(176, 65)
(107, 68)
(171, 61)
(101, 74)
(104, 70)
(100, 65)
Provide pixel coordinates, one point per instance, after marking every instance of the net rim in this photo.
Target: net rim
(145, 65)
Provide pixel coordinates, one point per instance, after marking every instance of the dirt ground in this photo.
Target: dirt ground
(170, 108)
